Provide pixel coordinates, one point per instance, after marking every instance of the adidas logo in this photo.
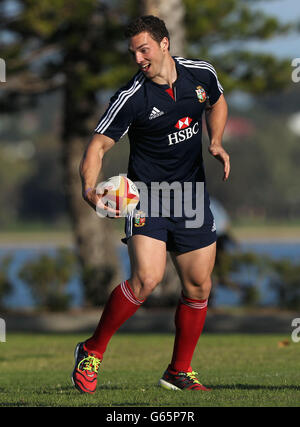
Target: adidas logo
(155, 113)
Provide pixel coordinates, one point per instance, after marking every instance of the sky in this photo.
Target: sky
(285, 11)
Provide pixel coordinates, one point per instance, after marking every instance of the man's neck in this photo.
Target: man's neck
(168, 74)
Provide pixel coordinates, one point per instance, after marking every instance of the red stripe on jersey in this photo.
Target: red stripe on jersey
(171, 93)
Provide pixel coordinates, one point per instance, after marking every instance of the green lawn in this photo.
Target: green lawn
(243, 370)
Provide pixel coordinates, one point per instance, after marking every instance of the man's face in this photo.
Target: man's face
(148, 53)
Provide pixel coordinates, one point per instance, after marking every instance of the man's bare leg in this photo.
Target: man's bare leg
(147, 258)
(148, 262)
(194, 269)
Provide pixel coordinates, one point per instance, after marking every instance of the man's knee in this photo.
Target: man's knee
(143, 284)
(199, 289)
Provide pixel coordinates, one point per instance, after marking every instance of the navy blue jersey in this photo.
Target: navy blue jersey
(164, 125)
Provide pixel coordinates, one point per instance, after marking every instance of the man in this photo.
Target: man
(161, 109)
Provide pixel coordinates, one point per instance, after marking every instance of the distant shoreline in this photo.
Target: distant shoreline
(65, 238)
(267, 233)
(36, 238)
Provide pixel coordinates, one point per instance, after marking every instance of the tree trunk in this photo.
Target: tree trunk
(172, 13)
(94, 236)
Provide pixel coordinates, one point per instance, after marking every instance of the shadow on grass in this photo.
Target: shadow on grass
(213, 387)
(101, 387)
(254, 387)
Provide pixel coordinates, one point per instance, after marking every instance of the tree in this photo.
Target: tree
(62, 45)
(285, 281)
(48, 277)
(218, 31)
(172, 13)
(75, 48)
(6, 285)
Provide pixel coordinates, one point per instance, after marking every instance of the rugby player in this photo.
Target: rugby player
(161, 108)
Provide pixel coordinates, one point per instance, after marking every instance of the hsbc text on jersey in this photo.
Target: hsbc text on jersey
(185, 132)
(164, 126)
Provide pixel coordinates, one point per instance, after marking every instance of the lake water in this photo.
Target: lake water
(21, 295)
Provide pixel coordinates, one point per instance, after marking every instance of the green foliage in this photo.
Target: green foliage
(250, 296)
(252, 72)
(219, 21)
(283, 276)
(265, 164)
(248, 264)
(77, 49)
(286, 282)
(87, 36)
(13, 172)
(94, 294)
(6, 285)
(47, 277)
(217, 31)
(53, 40)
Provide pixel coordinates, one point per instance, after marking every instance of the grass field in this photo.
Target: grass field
(243, 370)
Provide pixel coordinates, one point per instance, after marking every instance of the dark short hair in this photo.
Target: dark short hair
(149, 23)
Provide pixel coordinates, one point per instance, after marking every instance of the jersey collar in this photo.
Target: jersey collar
(165, 86)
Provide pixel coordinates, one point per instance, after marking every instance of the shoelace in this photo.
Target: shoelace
(90, 363)
(192, 376)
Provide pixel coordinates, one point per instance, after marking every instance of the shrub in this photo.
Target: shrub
(47, 277)
(6, 286)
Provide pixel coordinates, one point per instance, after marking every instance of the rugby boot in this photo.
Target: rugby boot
(85, 371)
(176, 380)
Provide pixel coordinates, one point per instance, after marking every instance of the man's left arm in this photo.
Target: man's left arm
(216, 117)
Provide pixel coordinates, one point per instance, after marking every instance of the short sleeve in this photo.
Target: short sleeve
(215, 87)
(204, 73)
(116, 120)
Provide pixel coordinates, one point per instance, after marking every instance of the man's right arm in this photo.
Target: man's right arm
(91, 164)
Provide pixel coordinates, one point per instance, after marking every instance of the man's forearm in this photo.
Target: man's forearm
(91, 163)
(90, 168)
(216, 117)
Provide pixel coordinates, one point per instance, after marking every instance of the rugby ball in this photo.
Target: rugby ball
(120, 193)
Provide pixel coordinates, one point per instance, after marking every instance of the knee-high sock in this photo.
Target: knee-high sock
(189, 321)
(121, 305)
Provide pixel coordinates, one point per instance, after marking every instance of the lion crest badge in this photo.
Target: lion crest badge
(201, 94)
(139, 219)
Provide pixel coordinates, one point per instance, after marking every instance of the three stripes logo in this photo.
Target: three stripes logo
(124, 95)
(155, 113)
(118, 104)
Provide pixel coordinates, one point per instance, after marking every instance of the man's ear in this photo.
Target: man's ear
(164, 44)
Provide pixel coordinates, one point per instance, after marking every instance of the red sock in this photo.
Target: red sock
(189, 321)
(121, 305)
